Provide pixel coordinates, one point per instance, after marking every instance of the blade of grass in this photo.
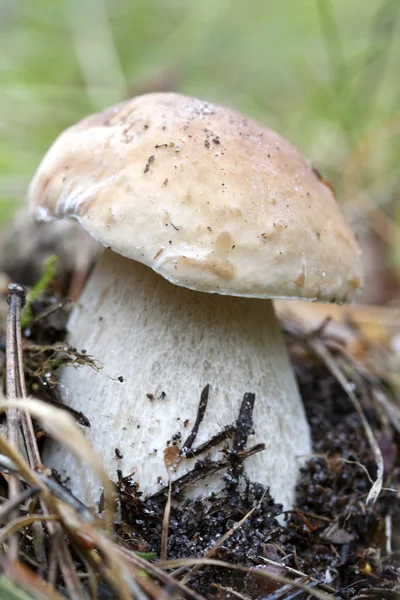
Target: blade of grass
(96, 52)
(373, 70)
(340, 73)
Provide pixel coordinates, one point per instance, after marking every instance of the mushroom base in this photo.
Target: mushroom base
(160, 345)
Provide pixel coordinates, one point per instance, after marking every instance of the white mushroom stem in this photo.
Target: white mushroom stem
(167, 343)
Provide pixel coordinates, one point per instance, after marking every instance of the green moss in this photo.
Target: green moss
(41, 286)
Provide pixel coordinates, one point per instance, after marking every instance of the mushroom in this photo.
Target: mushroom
(206, 216)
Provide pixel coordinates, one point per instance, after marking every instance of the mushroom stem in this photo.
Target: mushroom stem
(167, 343)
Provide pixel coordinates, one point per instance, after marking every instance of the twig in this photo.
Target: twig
(199, 417)
(16, 300)
(165, 523)
(66, 496)
(280, 594)
(388, 534)
(244, 423)
(203, 470)
(50, 310)
(228, 591)
(216, 439)
(322, 584)
(243, 428)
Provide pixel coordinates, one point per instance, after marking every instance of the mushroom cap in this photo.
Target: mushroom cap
(206, 197)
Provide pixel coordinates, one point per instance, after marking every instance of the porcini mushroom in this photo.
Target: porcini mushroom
(206, 216)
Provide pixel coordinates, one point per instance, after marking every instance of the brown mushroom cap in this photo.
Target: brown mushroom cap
(206, 197)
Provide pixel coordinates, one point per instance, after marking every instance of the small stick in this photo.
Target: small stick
(228, 591)
(15, 369)
(203, 470)
(201, 411)
(216, 439)
(165, 525)
(243, 428)
(16, 300)
(50, 311)
(324, 586)
(244, 423)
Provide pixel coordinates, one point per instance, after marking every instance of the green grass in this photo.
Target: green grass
(323, 73)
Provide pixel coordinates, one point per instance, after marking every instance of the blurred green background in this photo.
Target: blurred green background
(324, 73)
